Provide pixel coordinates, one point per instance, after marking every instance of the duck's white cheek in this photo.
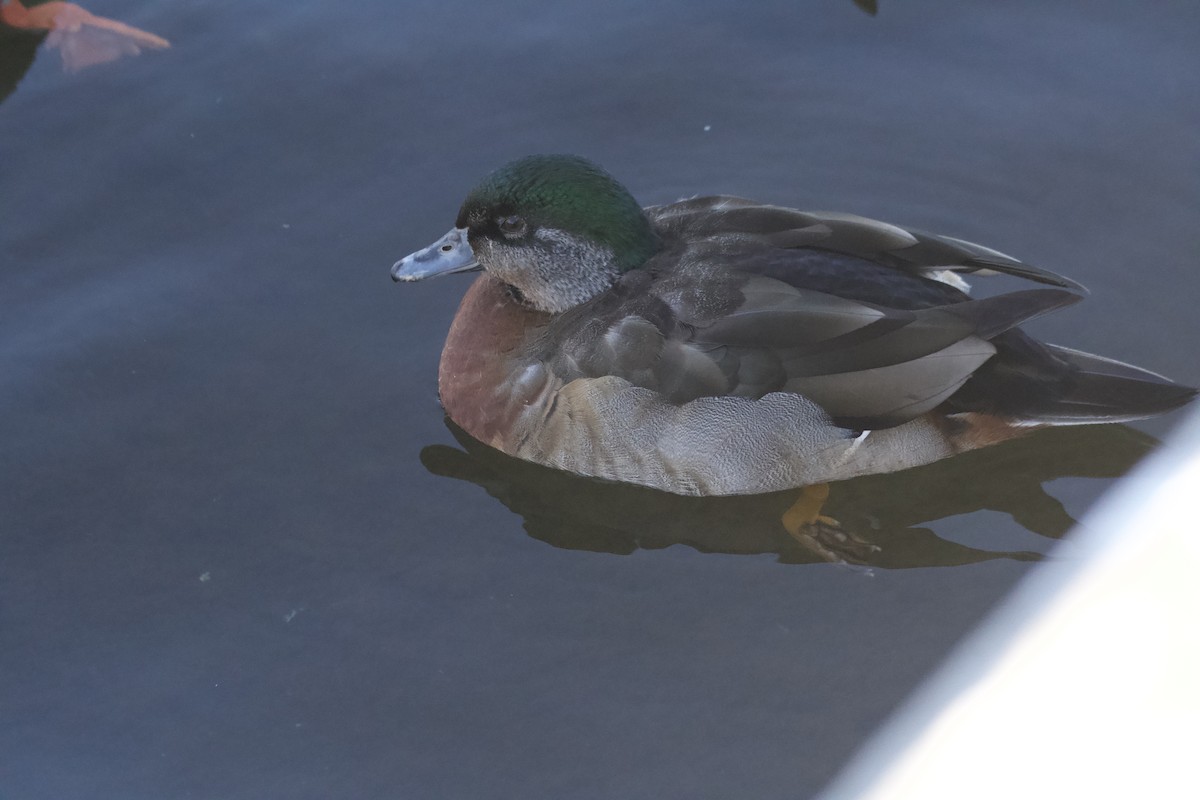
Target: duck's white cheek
(500, 261)
(484, 251)
(503, 262)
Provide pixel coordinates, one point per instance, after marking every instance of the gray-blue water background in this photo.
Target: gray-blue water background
(241, 556)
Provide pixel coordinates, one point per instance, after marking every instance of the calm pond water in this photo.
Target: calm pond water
(241, 554)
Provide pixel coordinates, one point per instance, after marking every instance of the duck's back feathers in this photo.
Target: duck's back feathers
(748, 299)
(906, 249)
(867, 365)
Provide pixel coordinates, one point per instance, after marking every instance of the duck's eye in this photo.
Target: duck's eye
(511, 226)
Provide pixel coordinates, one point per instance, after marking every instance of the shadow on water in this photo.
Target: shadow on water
(886, 511)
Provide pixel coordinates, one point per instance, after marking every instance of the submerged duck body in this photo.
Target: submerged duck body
(721, 346)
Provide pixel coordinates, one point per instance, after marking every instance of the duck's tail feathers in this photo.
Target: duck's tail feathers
(993, 316)
(1105, 390)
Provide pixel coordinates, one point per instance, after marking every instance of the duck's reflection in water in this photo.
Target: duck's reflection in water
(881, 514)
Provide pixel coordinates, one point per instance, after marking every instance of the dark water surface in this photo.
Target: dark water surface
(241, 556)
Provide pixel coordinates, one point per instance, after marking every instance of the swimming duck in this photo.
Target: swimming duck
(719, 346)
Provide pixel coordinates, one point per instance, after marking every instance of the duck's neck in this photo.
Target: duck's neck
(482, 352)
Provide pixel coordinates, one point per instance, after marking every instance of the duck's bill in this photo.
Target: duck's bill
(449, 254)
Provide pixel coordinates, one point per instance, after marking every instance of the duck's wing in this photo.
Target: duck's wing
(748, 335)
(868, 366)
(736, 219)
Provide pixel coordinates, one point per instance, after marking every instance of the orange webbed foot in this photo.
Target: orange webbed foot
(823, 534)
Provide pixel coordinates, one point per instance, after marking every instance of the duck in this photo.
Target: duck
(722, 346)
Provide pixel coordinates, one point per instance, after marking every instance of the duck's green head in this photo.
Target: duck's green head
(557, 228)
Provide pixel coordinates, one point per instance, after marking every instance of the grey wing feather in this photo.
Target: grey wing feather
(749, 334)
(907, 249)
(872, 365)
(865, 365)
